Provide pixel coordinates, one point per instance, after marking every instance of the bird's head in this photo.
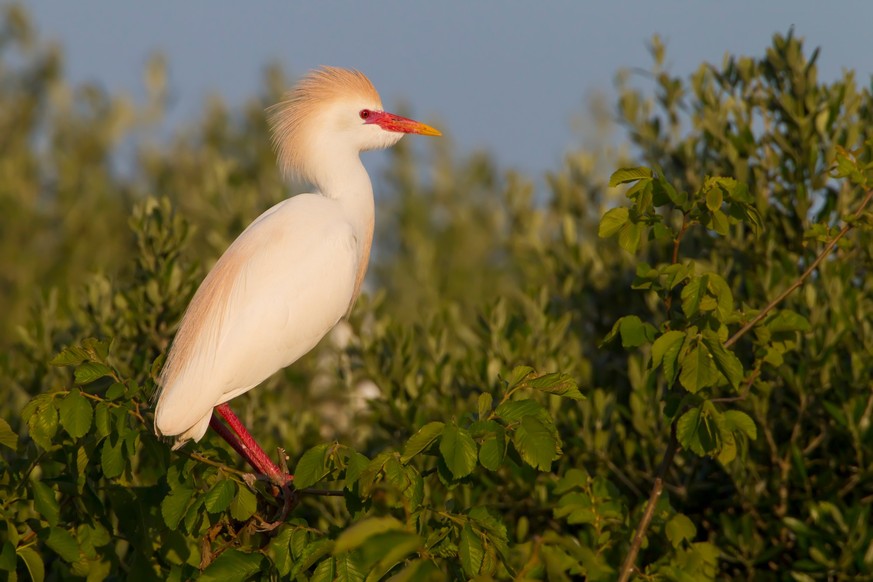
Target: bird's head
(333, 112)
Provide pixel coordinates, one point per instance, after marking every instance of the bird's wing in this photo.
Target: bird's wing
(280, 287)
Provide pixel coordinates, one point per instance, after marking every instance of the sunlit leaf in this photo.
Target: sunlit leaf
(458, 450)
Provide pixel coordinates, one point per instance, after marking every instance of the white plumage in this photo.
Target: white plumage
(297, 269)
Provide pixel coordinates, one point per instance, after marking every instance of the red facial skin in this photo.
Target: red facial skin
(391, 122)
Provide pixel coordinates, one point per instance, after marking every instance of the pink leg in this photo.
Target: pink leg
(244, 444)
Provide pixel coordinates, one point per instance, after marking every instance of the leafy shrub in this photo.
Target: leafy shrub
(525, 376)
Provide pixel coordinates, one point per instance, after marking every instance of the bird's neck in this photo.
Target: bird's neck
(348, 183)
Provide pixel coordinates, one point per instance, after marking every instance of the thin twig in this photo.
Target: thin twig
(627, 567)
(827, 250)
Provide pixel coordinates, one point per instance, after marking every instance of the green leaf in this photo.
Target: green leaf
(421, 440)
(696, 431)
(233, 565)
(624, 175)
(485, 405)
(70, 356)
(719, 222)
(629, 236)
(559, 384)
(458, 450)
(90, 371)
(535, 443)
(714, 198)
(613, 221)
(219, 497)
(244, 504)
(174, 505)
(665, 351)
(45, 503)
(698, 369)
(740, 421)
(101, 419)
(43, 423)
(518, 375)
(692, 294)
(348, 569)
(361, 531)
(634, 332)
(7, 556)
(33, 561)
(60, 540)
(312, 466)
(8, 438)
(679, 529)
(471, 551)
(518, 409)
(76, 414)
(493, 449)
(725, 360)
(111, 459)
(786, 321)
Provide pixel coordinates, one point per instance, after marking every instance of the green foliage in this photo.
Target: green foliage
(503, 395)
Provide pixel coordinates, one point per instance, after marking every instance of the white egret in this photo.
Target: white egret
(293, 273)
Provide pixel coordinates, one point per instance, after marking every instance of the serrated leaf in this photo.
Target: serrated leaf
(518, 375)
(725, 360)
(693, 293)
(484, 405)
(493, 450)
(679, 529)
(471, 551)
(786, 320)
(34, 563)
(535, 443)
(45, 503)
(518, 409)
(739, 420)
(233, 565)
(70, 356)
(696, 432)
(101, 420)
(665, 351)
(613, 221)
(76, 414)
(174, 505)
(348, 569)
(559, 384)
(361, 531)
(629, 236)
(624, 175)
(112, 459)
(325, 571)
(312, 466)
(421, 440)
(634, 332)
(8, 438)
(62, 542)
(355, 465)
(697, 369)
(219, 497)
(244, 504)
(43, 423)
(458, 450)
(91, 371)
(714, 198)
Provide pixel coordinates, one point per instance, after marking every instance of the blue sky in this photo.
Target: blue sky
(505, 76)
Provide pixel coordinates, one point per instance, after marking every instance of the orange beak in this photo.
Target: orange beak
(391, 122)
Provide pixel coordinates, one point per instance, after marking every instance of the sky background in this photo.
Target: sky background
(504, 76)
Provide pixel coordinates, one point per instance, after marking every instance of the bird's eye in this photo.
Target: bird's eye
(365, 113)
